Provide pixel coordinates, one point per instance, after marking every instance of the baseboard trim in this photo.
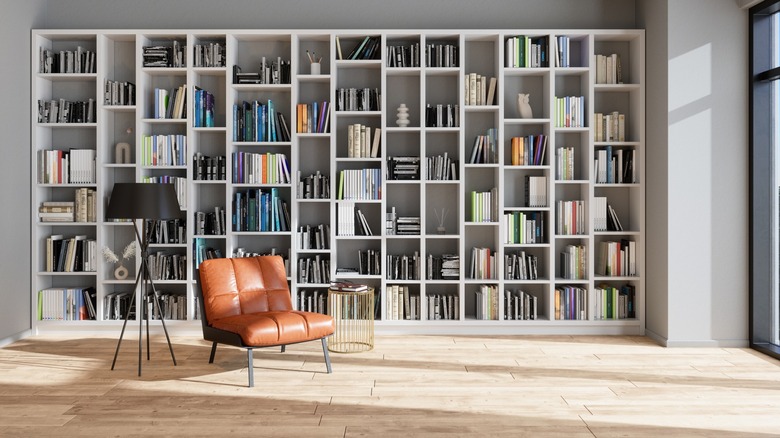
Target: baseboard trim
(15, 337)
(698, 343)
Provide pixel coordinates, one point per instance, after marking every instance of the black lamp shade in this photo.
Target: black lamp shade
(143, 201)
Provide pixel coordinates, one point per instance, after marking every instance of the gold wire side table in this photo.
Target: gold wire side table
(353, 315)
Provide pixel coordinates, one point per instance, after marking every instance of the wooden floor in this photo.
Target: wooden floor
(431, 386)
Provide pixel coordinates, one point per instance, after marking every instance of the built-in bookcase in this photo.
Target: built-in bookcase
(467, 211)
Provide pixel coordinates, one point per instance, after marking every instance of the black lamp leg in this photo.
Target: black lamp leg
(162, 320)
(127, 316)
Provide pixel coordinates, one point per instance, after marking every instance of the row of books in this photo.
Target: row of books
(369, 262)
(158, 56)
(404, 266)
(483, 264)
(521, 266)
(83, 208)
(564, 163)
(74, 166)
(403, 55)
(442, 55)
(270, 72)
(486, 302)
(573, 262)
(117, 305)
(484, 206)
(569, 112)
(614, 166)
(526, 51)
(170, 104)
(260, 168)
(312, 117)
(258, 122)
(313, 300)
(529, 150)
(367, 48)
(314, 270)
(80, 60)
(608, 69)
(441, 168)
(443, 306)
(480, 90)
(520, 305)
(360, 143)
(179, 185)
(358, 99)
(524, 227)
(442, 115)
(609, 127)
(165, 266)
(314, 236)
(67, 111)
(485, 149)
(401, 304)
(572, 218)
(164, 150)
(119, 93)
(351, 221)
(210, 223)
(172, 306)
(67, 304)
(403, 168)
(360, 184)
(570, 303)
(616, 258)
(444, 267)
(203, 108)
(166, 231)
(202, 251)
(604, 216)
(535, 192)
(314, 186)
(212, 54)
(612, 302)
(260, 210)
(73, 254)
(206, 168)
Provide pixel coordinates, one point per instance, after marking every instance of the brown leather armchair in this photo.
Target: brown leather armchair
(246, 302)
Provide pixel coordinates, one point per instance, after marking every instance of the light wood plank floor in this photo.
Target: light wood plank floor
(431, 386)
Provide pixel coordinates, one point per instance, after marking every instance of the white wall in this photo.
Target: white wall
(16, 19)
(697, 159)
(302, 14)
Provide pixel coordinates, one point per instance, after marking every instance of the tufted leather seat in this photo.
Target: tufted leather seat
(246, 302)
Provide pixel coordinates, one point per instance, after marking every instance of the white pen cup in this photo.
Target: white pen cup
(315, 68)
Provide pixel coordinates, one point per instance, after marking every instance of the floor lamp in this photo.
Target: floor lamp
(143, 201)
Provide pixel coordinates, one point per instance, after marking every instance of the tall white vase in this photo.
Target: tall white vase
(403, 116)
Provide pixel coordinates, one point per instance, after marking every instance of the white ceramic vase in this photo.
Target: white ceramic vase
(524, 107)
(403, 116)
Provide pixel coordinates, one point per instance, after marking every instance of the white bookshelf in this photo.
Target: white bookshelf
(119, 57)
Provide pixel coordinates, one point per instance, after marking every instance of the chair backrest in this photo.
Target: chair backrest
(237, 286)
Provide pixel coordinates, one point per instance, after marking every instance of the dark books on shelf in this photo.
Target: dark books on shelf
(273, 72)
(80, 60)
(358, 99)
(165, 56)
(403, 168)
(314, 270)
(260, 210)
(442, 55)
(367, 48)
(442, 115)
(205, 168)
(67, 111)
(259, 122)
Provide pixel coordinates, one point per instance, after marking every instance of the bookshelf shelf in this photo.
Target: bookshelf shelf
(410, 214)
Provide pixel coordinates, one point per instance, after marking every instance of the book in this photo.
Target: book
(347, 286)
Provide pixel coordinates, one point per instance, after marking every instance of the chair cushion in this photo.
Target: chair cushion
(276, 328)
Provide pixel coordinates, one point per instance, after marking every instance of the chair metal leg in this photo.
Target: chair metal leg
(325, 352)
(251, 367)
(283, 348)
(213, 352)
